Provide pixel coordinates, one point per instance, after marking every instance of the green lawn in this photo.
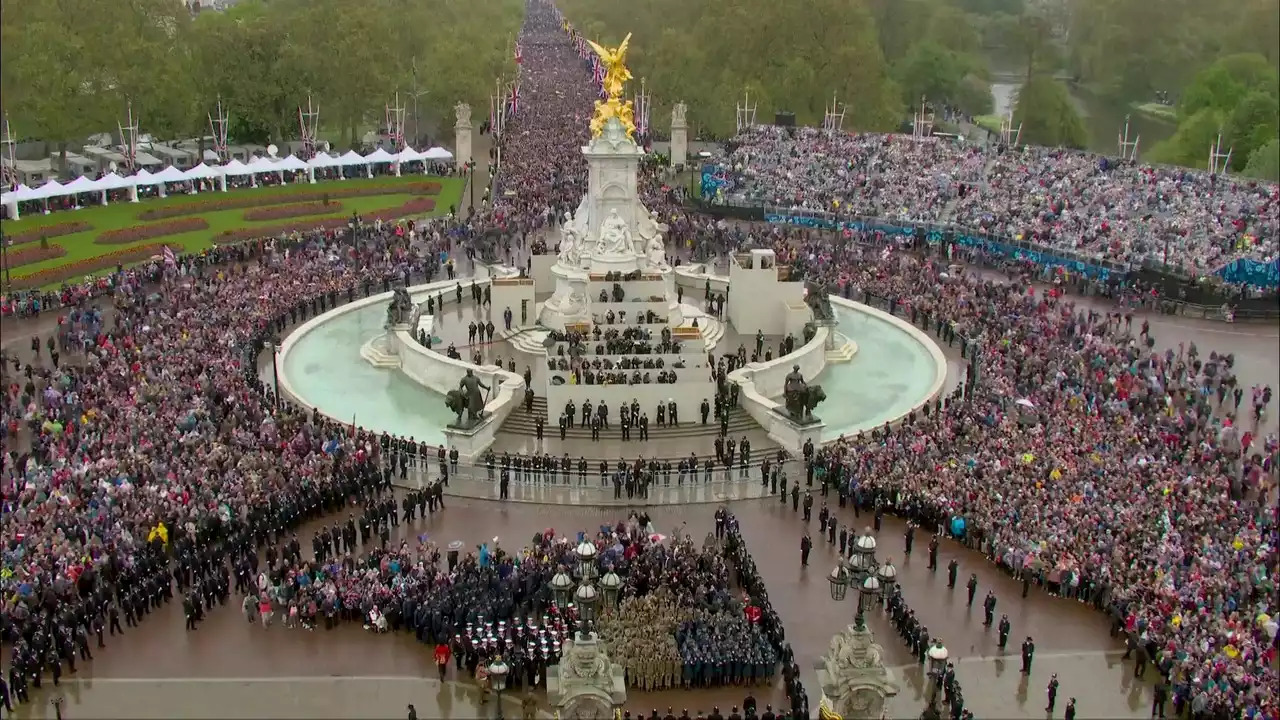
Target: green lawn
(81, 246)
(1158, 111)
(989, 122)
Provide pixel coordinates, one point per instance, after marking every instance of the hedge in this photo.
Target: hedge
(284, 212)
(47, 231)
(238, 202)
(79, 268)
(134, 233)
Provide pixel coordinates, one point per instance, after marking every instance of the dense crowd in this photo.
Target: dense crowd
(1082, 203)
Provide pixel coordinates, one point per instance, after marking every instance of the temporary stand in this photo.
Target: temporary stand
(308, 127)
(129, 141)
(745, 116)
(1128, 148)
(833, 119)
(1009, 135)
(922, 121)
(395, 123)
(218, 129)
(1219, 162)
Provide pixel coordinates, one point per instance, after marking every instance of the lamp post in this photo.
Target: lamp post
(610, 586)
(859, 570)
(561, 588)
(586, 552)
(888, 575)
(275, 371)
(498, 677)
(586, 600)
(937, 657)
(471, 180)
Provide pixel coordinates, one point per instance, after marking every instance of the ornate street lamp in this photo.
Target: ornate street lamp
(586, 552)
(867, 594)
(611, 587)
(864, 552)
(839, 579)
(586, 600)
(561, 588)
(937, 657)
(888, 575)
(498, 678)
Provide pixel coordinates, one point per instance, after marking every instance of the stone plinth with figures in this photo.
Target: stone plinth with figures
(855, 683)
(586, 684)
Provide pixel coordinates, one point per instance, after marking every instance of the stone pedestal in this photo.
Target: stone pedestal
(585, 685)
(462, 135)
(569, 304)
(679, 136)
(854, 681)
(473, 441)
(792, 435)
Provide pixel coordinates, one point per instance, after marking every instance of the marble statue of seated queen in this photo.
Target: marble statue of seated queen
(615, 236)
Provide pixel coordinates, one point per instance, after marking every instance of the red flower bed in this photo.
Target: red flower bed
(237, 202)
(31, 255)
(134, 233)
(47, 231)
(416, 206)
(80, 268)
(284, 212)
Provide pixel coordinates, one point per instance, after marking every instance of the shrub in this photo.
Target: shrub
(284, 212)
(238, 201)
(80, 268)
(47, 231)
(134, 233)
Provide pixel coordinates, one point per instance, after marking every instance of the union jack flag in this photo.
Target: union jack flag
(515, 99)
(597, 75)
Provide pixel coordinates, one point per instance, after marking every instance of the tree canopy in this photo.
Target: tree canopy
(1237, 96)
(1047, 117)
(69, 67)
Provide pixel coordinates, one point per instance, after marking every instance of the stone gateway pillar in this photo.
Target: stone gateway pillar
(585, 685)
(462, 135)
(855, 683)
(679, 135)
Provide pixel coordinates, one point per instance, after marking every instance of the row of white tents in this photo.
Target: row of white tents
(219, 173)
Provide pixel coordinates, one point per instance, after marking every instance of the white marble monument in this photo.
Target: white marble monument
(679, 135)
(462, 128)
(611, 231)
(585, 684)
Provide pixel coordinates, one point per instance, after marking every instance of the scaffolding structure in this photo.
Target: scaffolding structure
(308, 128)
(1219, 162)
(833, 117)
(394, 114)
(218, 130)
(1128, 148)
(642, 109)
(922, 121)
(745, 115)
(1009, 135)
(129, 140)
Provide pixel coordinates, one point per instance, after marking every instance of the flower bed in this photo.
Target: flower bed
(237, 202)
(284, 212)
(47, 231)
(416, 206)
(31, 255)
(134, 233)
(80, 268)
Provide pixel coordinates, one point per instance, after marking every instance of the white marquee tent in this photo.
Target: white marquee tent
(437, 153)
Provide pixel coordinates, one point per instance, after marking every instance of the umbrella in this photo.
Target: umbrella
(1025, 403)
(455, 545)
(657, 537)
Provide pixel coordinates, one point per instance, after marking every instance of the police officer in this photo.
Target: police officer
(1052, 692)
(1004, 631)
(808, 506)
(953, 568)
(1028, 653)
(806, 544)
(973, 587)
(989, 609)
(933, 553)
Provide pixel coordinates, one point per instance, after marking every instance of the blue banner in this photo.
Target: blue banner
(1246, 271)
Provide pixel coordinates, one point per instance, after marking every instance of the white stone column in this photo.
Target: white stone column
(679, 136)
(462, 135)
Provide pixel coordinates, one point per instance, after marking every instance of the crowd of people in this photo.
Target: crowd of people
(1078, 202)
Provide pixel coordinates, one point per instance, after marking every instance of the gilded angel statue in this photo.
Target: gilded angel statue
(616, 73)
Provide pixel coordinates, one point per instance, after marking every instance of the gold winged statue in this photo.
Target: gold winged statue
(616, 76)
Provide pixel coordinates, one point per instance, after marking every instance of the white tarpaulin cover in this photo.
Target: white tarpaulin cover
(379, 156)
(351, 157)
(81, 184)
(201, 172)
(236, 168)
(437, 153)
(112, 181)
(142, 178)
(53, 188)
(261, 165)
(323, 160)
(18, 194)
(408, 155)
(170, 174)
(290, 164)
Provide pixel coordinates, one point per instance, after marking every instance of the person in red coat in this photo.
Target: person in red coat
(442, 659)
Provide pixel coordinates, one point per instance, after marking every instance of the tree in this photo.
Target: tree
(1190, 145)
(1047, 116)
(1225, 83)
(1264, 162)
(973, 96)
(929, 71)
(1253, 123)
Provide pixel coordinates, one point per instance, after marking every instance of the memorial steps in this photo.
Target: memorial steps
(523, 422)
